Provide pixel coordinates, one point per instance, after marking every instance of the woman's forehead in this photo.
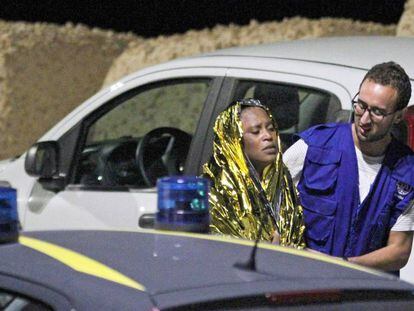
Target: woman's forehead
(254, 114)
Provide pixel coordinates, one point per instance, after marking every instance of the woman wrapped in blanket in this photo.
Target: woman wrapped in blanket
(252, 195)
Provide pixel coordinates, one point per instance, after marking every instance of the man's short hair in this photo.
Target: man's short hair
(392, 74)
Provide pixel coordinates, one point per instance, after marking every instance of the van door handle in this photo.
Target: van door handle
(147, 221)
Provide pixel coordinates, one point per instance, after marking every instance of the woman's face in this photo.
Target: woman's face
(259, 137)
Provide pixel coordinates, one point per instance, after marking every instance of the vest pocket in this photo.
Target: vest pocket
(319, 221)
(379, 230)
(321, 170)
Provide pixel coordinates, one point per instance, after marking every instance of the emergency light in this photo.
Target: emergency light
(183, 204)
(9, 222)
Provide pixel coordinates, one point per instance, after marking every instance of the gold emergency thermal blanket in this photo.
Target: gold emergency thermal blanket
(235, 205)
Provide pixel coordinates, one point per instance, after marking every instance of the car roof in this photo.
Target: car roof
(171, 269)
(336, 52)
(356, 51)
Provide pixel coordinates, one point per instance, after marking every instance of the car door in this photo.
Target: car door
(107, 186)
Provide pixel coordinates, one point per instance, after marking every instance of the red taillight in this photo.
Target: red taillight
(305, 297)
(409, 118)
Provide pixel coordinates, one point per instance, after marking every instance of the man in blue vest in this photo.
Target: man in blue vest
(356, 180)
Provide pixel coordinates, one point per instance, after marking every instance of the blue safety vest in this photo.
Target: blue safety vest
(337, 223)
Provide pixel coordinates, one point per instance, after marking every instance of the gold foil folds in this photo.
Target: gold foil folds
(235, 206)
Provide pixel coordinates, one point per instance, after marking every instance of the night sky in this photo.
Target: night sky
(151, 18)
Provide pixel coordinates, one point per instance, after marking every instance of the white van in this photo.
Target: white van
(96, 169)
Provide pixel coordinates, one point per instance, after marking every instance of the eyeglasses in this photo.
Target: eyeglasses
(375, 113)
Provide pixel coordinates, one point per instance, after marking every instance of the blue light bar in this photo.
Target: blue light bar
(183, 204)
(9, 222)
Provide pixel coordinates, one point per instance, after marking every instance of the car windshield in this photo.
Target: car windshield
(15, 302)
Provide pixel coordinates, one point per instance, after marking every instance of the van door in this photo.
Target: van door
(123, 146)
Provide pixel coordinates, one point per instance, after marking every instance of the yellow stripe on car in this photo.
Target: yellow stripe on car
(79, 262)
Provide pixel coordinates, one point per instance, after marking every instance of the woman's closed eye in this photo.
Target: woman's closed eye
(255, 130)
(271, 128)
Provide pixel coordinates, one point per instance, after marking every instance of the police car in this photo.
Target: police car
(96, 169)
(161, 270)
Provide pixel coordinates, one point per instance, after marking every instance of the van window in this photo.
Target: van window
(295, 108)
(144, 136)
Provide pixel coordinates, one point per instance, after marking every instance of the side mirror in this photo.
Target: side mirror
(42, 160)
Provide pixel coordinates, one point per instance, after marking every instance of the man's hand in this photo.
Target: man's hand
(392, 257)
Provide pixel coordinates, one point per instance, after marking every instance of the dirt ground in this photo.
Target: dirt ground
(48, 70)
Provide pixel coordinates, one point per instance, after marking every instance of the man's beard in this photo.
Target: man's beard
(370, 138)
